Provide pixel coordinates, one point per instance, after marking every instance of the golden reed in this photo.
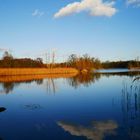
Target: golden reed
(36, 71)
(27, 74)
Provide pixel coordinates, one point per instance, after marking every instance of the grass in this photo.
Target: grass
(23, 78)
(36, 71)
(27, 74)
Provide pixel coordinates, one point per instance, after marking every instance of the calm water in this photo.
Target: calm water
(94, 107)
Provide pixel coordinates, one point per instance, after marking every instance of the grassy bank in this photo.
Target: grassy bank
(36, 71)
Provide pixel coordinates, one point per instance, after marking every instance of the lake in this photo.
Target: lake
(99, 106)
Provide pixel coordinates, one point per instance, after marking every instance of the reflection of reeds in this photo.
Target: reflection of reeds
(131, 99)
(50, 85)
(131, 106)
(137, 78)
(23, 78)
(36, 71)
(9, 82)
(9, 86)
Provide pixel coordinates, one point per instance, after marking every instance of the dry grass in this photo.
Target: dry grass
(36, 71)
(27, 74)
(23, 78)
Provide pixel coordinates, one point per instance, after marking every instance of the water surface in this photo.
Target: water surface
(93, 107)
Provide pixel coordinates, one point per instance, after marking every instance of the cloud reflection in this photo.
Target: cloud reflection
(96, 131)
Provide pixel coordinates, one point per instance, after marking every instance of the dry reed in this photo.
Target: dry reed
(36, 71)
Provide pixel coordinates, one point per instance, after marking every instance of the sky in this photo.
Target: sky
(106, 29)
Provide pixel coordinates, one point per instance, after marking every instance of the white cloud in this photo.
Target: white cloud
(37, 13)
(93, 7)
(135, 3)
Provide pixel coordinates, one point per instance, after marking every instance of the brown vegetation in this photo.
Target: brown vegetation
(23, 78)
(83, 63)
(36, 71)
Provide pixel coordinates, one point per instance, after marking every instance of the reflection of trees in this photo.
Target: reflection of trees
(97, 131)
(131, 107)
(83, 79)
(8, 87)
(39, 82)
(89, 78)
(50, 85)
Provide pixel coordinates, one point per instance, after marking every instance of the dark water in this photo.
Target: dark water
(94, 107)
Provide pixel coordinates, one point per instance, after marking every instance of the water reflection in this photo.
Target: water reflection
(131, 99)
(51, 86)
(131, 107)
(8, 83)
(39, 111)
(8, 87)
(97, 131)
(89, 78)
(83, 79)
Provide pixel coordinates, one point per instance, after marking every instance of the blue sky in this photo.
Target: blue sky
(30, 28)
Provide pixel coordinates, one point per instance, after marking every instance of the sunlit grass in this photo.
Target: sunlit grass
(36, 71)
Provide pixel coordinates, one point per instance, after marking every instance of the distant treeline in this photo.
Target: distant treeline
(121, 64)
(8, 61)
(84, 62)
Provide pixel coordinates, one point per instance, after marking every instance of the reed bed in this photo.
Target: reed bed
(36, 71)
